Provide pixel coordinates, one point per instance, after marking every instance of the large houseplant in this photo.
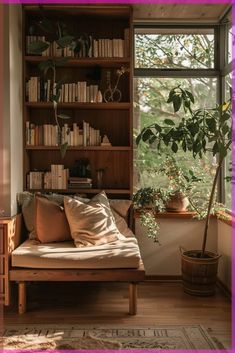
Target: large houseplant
(200, 132)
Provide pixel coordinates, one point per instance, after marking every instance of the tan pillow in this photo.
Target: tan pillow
(51, 224)
(91, 223)
(120, 206)
(122, 225)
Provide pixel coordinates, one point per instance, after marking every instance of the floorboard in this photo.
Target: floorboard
(107, 303)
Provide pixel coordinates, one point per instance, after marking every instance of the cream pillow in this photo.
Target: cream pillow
(91, 223)
(122, 225)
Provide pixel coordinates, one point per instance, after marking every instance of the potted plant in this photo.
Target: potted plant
(203, 131)
(148, 201)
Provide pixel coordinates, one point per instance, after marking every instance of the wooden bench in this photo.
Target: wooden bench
(23, 275)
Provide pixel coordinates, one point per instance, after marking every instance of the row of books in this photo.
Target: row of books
(48, 135)
(38, 90)
(56, 179)
(103, 47)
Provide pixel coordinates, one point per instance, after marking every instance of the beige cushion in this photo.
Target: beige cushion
(91, 223)
(120, 206)
(120, 254)
(51, 224)
(122, 225)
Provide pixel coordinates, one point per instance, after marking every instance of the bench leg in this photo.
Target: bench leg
(22, 297)
(132, 298)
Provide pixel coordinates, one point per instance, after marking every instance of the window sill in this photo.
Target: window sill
(230, 219)
(180, 215)
(190, 215)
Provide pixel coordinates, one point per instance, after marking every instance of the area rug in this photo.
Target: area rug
(100, 337)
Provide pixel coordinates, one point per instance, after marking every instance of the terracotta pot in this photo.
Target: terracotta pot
(177, 203)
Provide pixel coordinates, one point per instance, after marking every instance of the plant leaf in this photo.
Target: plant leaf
(46, 65)
(63, 116)
(47, 26)
(37, 47)
(174, 147)
(191, 97)
(169, 122)
(63, 149)
(65, 41)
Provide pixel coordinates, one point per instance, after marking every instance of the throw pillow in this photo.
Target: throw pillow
(120, 206)
(122, 225)
(51, 224)
(91, 223)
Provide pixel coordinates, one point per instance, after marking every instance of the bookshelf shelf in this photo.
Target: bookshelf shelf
(83, 190)
(78, 148)
(83, 62)
(96, 106)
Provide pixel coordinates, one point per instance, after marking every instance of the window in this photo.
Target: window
(164, 59)
(174, 48)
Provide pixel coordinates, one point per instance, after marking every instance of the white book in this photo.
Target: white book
(66, 93)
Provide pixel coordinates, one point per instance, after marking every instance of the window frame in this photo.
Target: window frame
(226, 68)
(220, 70)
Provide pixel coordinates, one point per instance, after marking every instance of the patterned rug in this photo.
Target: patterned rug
(76, 337)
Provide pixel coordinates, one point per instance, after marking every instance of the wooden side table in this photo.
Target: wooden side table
(9, 227)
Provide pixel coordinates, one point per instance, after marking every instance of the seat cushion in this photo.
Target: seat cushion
(121, 254)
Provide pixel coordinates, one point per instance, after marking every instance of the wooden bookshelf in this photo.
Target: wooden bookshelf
(113, 119)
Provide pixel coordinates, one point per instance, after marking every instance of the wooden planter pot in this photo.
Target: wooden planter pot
(199, 275)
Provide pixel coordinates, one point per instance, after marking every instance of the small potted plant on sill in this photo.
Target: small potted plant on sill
(176, 196)
(204, 131)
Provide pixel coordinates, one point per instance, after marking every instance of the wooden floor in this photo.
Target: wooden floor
(107, 303)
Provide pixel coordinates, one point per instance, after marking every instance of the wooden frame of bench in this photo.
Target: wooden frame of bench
(24, 275)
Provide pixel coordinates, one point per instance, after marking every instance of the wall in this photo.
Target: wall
(225, 249)
(11, 152)
(164, 260)
(16, 110)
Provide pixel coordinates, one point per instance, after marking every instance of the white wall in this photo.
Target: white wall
(225, 249)
(164, 260)
(16, 110)
(11, 181)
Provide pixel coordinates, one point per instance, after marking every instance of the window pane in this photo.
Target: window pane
(171, 48)
(230, 44)
(150, 106)
(228, 161)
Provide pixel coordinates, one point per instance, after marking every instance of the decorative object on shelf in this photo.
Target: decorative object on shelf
(204, 130)
(99, 97)
(105, 141)
(99, 177)
(114, 94)
(81, 169)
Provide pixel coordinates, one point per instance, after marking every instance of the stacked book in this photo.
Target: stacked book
(55, 179)
(35, 180)
(48, 135)
(79, 183)
(38, 90)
